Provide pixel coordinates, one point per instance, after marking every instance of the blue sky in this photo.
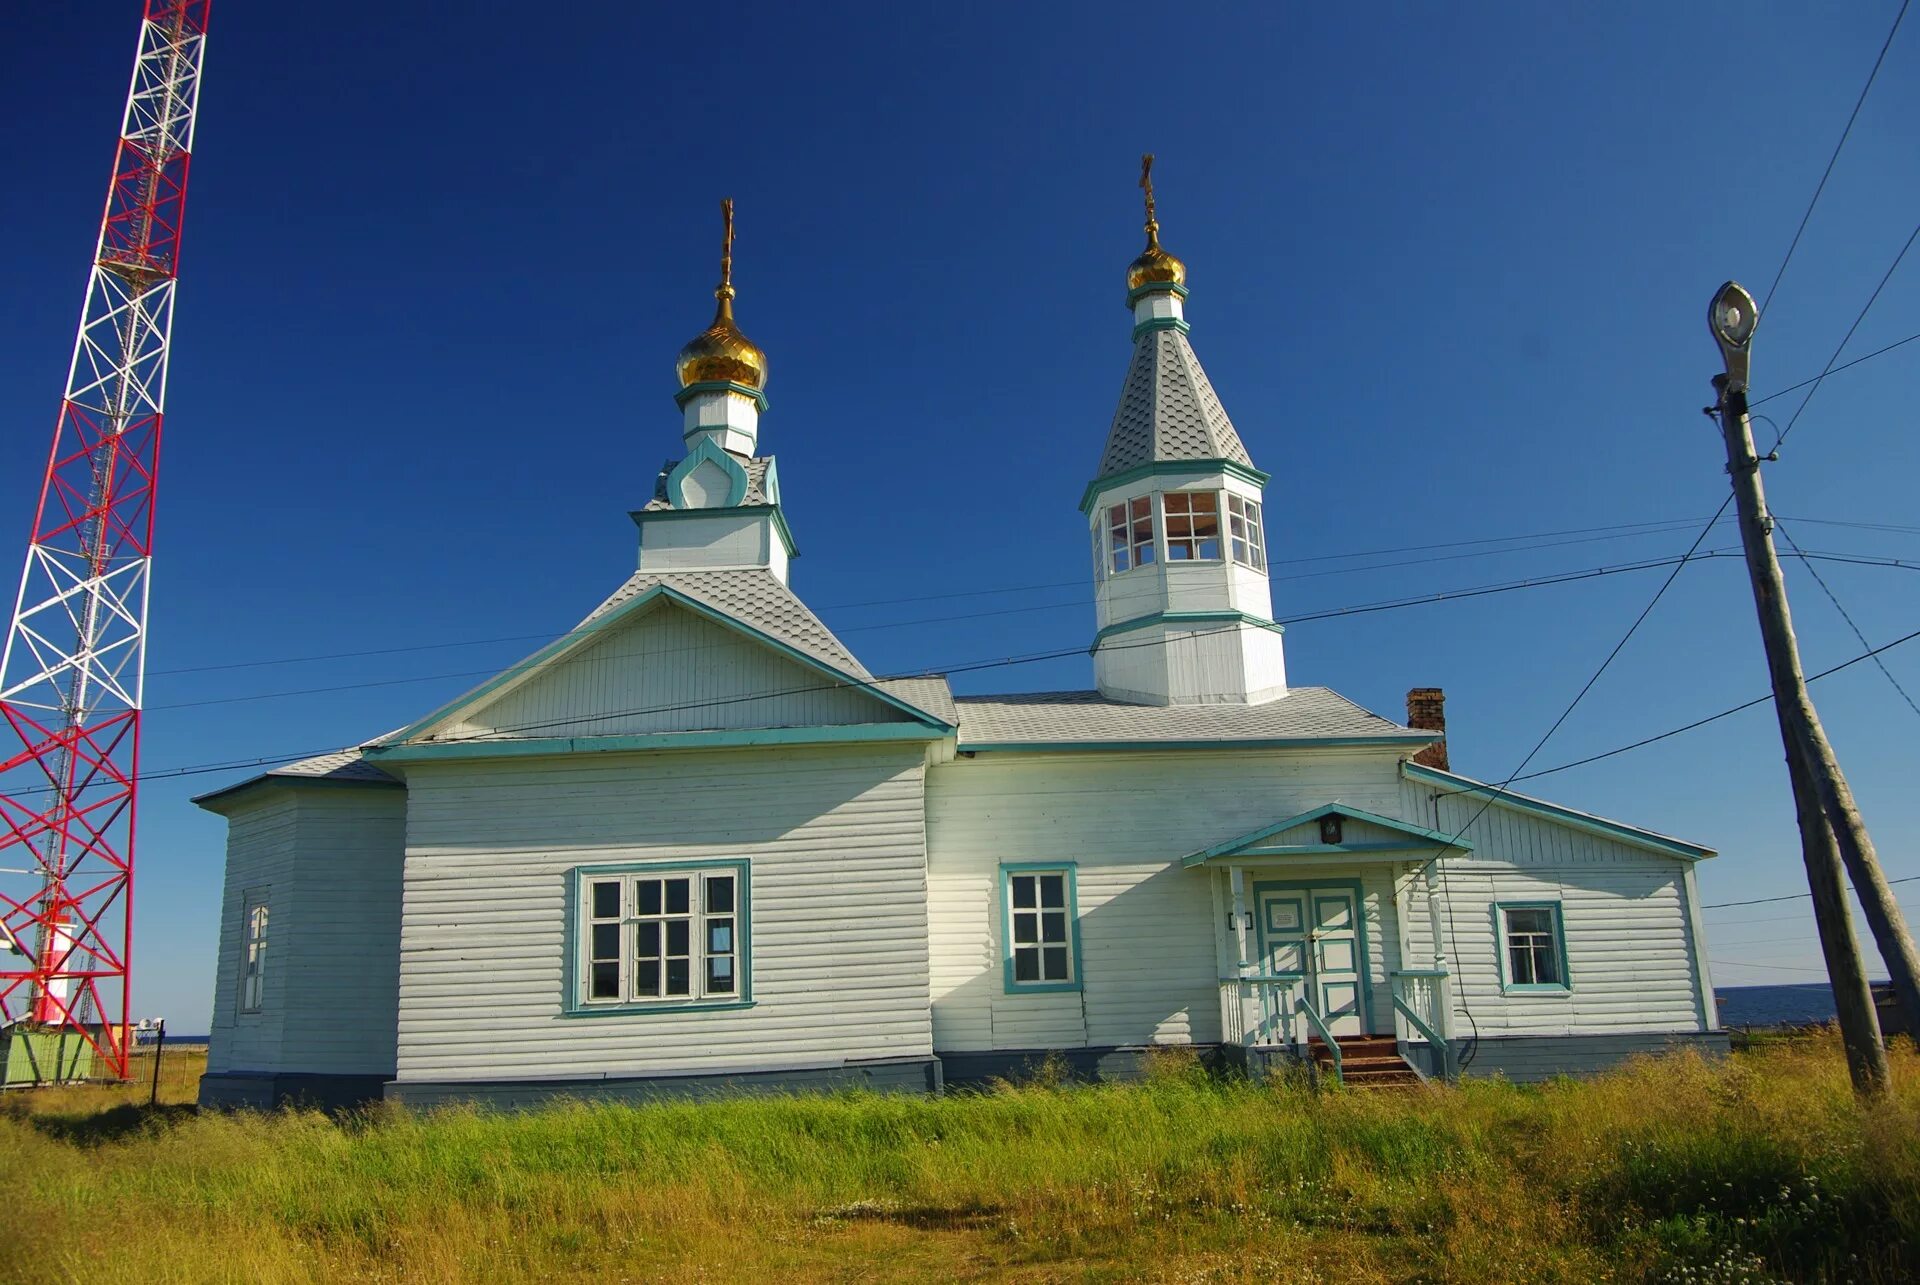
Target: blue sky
(1449, 271)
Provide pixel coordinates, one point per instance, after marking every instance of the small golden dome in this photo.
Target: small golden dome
(1154, 266)
(720, 354)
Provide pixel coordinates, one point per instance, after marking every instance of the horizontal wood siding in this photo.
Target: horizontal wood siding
(836, 839)
(260, 857)
(1631, 956)
(676, 672)
(344, 934)
(1147, 926)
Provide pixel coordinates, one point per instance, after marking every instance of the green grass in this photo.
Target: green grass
(1760, 1168)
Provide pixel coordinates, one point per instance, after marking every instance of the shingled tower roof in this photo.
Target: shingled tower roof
(1168, 409)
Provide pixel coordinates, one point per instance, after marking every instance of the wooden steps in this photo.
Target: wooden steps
(1367, 1062)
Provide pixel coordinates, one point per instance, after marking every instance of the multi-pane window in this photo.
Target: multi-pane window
(1040, 928)
(1534, 954)
(1193, 525)
(1243, 532)
(1130, 533)
(668, 936)
(253, 954)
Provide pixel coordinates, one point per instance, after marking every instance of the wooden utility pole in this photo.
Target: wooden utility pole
(1816, 772)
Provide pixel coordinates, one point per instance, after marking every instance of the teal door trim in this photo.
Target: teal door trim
(1308, 886)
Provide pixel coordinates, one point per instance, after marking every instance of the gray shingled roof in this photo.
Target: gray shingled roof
(753, 597)
(1168, 409)
(342, 765)
(1088, 718)
(930, 693)
(756, 484)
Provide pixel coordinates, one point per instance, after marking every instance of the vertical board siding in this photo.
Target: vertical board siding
(836, 841)
(261, 846)
(345, 932)
(677, 672)
(1631, 956)
(1148, 931)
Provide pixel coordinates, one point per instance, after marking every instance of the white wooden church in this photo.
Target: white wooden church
(694, 844)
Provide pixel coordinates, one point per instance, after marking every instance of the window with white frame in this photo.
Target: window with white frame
(1130, 533)
(1040, 928)
(253, 953)
(1534, 946)
(662, 935)
(1193, 525)
(1244, 534)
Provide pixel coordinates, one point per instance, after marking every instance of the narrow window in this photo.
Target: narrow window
(1534, 948)
(253, 954)
(668, 936)
(1040, 929)
(1193, 525)
(1099, 552)
(1243, 531)
(1130, 533)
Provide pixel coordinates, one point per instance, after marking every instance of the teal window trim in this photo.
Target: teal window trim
(1307, 887)
(572, 972)
(1562, 987)
(706, 452)
(1007, 871)
(1191, 470)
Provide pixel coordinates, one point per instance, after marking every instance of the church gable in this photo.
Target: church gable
(669, 668)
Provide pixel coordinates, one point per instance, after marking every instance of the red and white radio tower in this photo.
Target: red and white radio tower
(75, 659)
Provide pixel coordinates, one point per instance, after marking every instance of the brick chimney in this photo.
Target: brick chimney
(1427, 712)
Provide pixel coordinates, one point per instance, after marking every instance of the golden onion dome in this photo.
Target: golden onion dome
(720, 354)
(1154, 266)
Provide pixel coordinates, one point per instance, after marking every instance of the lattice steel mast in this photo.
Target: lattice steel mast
(73, 669)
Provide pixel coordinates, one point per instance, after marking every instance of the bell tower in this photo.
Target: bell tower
(1177, 518)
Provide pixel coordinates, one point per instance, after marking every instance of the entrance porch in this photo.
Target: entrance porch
(1329, 949)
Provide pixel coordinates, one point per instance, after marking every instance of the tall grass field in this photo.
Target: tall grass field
(1762, 1167)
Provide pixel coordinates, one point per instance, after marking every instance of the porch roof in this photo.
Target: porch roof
(1403, 839)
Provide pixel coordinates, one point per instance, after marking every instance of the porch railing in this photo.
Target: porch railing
(1422, 1005)
(1319, 1024)
(1260, 1012)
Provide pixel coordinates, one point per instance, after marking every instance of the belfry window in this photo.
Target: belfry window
(1130, 533)
(1243, 532)
(1193, 525)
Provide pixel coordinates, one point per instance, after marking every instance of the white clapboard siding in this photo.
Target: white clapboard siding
(836, 841)
(344, 932)
(1147, 925)
(1631, 957)
(676, 671)
(260, 860)
(328, 861)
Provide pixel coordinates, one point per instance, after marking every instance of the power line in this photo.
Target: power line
(1713, 718)
(1846, 338)
(1792, 896)
(1844, 615)
(1625, 530)
(1471, 591)
(1834, 159)
(1794, 388)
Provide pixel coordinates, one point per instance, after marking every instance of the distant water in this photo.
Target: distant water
(1801, 1004)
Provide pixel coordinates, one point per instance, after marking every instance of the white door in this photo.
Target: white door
(1317, 932)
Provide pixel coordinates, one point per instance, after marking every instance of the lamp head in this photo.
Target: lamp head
(1732, 317)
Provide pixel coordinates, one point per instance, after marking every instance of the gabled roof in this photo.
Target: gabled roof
(1453, 783)
(1087, 720)
(1168, 409)
(1400, 837)
(749, 600)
